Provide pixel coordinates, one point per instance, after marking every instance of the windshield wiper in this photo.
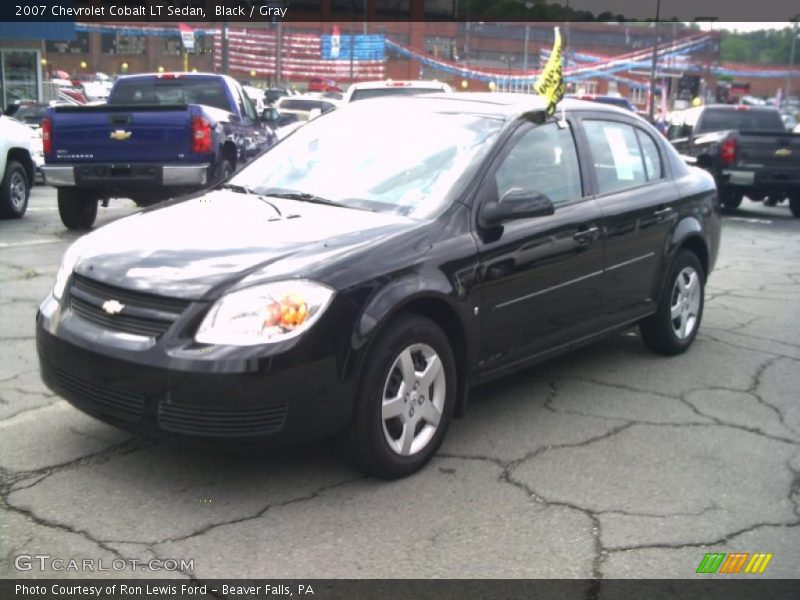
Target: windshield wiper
(239, 189)
(306, 197)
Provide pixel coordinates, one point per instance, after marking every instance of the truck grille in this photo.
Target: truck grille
(99, 399)
(138, 313)
(201, 420)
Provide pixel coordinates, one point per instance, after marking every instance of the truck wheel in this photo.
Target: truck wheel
(794, 206)
(14, 191)
(408, 391)
(77, 209)
(731, 200)
(225, 171)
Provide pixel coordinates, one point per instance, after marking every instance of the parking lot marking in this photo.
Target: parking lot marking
(30, 243)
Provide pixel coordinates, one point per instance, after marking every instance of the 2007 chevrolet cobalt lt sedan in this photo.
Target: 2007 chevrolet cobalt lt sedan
(362, 274)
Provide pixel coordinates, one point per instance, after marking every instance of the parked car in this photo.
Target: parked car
(745, 148)
(17, 167)
(304, 105)
(159, 135)
(343, 283)
(382, 89)
(271, 95)
(319, 84)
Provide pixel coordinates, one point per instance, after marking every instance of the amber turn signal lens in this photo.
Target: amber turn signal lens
(294, 311)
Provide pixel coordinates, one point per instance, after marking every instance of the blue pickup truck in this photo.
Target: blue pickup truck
(159, 136)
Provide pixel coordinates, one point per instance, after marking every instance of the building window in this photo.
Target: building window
(587, 87)
(80, 45)
(639, 95)
(19, 76)
(173, 46)
(120, 43)
(440, 47)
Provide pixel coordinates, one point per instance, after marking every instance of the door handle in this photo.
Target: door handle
(662, 213)
(586, 235)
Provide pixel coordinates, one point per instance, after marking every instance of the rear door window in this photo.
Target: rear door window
(616, 157)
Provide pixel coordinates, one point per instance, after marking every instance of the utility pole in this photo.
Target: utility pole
(352, 20)
(225, 54)
(279, 55)
(651, 108)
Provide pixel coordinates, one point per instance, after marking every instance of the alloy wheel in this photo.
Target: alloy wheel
(685, 304)
(413, 399)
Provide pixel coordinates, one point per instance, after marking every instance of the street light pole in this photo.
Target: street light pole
(791, 58)
(651, 108)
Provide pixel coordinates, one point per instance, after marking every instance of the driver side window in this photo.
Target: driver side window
(543, 159)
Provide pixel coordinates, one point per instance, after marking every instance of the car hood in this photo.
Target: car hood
(189, 248)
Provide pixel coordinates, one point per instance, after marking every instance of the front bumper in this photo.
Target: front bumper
(276, 399)
(125, 175)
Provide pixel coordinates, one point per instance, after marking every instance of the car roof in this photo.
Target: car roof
(311, 96)
(499, 104)
(388, 83)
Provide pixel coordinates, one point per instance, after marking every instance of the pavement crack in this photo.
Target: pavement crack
(258, 514)
(717, 542)
(9, 479)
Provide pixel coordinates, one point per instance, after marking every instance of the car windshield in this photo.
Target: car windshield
(363, 158)
(366, 93)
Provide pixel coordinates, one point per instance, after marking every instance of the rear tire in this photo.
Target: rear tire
(224, 172)
(78, 210)
(794, 206)
(672, 329)
(15, 189)
(731, 199)
(406, 399)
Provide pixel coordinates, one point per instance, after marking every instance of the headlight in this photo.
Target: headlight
(266, 313)
(71, 257)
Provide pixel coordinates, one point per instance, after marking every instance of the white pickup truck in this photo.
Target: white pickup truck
(18, 154)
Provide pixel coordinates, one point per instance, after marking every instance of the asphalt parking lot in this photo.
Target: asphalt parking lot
(610, 462)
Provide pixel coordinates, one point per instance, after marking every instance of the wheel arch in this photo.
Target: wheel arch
(412, 297)
(23, 157)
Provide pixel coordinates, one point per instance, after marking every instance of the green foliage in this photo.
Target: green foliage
(769, 46)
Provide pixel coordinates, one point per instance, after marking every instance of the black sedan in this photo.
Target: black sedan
(361, 275)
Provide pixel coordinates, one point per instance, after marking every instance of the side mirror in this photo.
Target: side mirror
(516, 203)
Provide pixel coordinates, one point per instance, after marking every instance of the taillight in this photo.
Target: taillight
(728, 151)
(47, 135)
(201, 135)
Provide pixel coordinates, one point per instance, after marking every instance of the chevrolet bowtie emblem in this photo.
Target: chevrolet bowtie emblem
(783, 152)
(113, 307)
(120, 134)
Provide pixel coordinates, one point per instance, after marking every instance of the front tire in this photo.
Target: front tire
(406, 399)
(672, 329)
(15, 190)
(77, 209)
